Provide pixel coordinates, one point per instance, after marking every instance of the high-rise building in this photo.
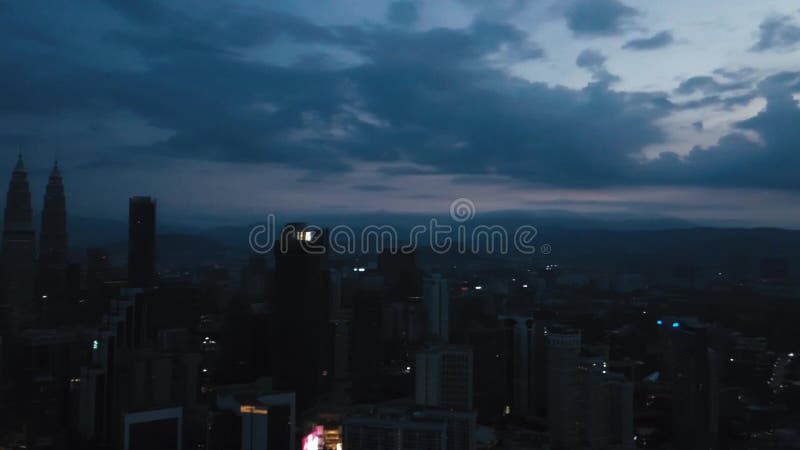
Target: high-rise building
(593, 402)
(158, 428)
(444, 377)
(141, 241)
(300, 314)
(252, 417)
(436, 300)
(369, 427)
(53, 238)
(519, 348)
(563, 354)
(620, 415)
(695, 395)
(19, 244)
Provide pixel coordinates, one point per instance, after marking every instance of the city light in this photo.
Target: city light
(250, 409)
(659, 322)
(95, 344)
(675, 324)
(311, 441)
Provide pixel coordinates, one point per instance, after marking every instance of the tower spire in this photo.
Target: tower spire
(18, 243)
(20, 167)
(53, 238)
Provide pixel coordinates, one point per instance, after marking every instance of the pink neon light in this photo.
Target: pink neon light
(311, 441)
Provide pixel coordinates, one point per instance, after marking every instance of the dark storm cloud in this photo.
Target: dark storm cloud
(373, 188)
(590, 59)
(402, 13)
(598, 17)
(777, 32)
(594, 61)
(737, 159)
(708, 85)
(659, 40)
(418, 102)
(727, 103)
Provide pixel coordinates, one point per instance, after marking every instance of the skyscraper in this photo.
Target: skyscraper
(19, 246)
(563, 354)
(436, 299)
(695, 388)
(300, 314)
(444, 377)
(53, 238)
(141, 241)
(519, 334)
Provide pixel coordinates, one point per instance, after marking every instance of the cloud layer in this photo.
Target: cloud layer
(230, 83)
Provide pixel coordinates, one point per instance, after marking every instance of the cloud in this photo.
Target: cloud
(594, 62)
(590, 59)
(402, 13)
(777, 32)
(418, 102)
(659, 40)
(771, 161)
(598, 17)
(373, 188)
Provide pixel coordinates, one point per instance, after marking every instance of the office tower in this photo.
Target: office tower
(620, 414)
(366, 346)
(18, 244)
(593, 402)
(300, 314)
(519, 349)
(251, 417)
(436, 300)
(444, 377)
(141, 241)
(543, 322)
(695, 394)
(563, 352)
(492, 384)
(53, 238)
(151, 429)
(393, 428)
(47, 363)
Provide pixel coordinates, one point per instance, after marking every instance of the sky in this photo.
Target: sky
(230, 110)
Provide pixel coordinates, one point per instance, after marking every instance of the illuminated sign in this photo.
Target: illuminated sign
(312, 440)
(249, 409)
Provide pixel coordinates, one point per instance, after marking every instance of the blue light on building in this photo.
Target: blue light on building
(659, 322)
(675, 324)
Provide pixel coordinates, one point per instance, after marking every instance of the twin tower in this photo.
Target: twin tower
(22, 279)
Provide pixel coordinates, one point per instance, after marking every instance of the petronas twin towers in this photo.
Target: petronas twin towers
(21, 281)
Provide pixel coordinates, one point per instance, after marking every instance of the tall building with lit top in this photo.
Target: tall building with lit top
(19, 243)
(301, 360)
(141, 241)
(53, 237)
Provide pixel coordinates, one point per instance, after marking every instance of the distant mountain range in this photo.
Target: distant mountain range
(601, 242)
